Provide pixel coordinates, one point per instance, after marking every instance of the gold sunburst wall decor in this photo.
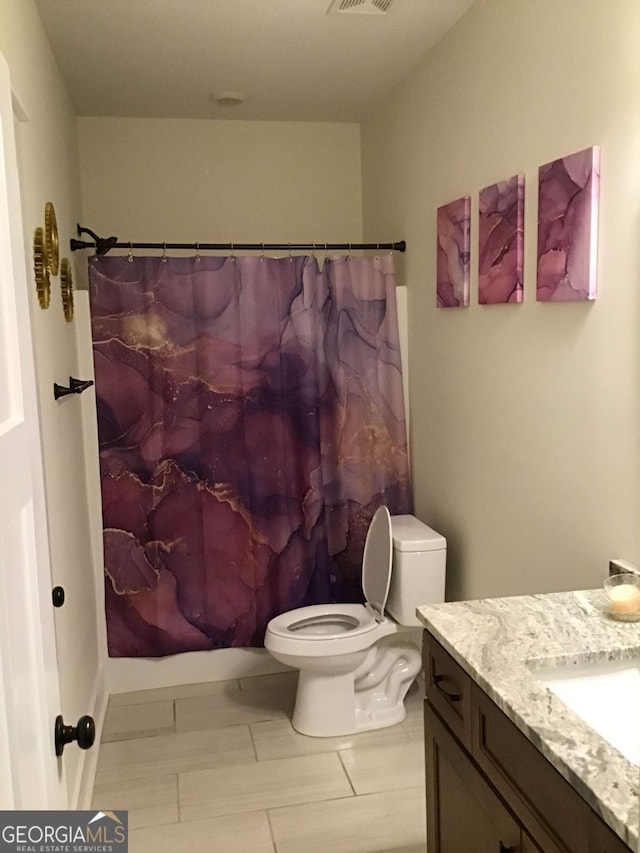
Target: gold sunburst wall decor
(43, 285)
(52, 250)
(66, 285)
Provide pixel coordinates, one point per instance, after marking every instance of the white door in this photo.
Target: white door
(31, 777)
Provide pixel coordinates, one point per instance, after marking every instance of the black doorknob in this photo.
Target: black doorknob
(57, 596)
(84, 733)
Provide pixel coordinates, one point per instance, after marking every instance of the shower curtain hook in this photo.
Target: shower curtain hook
(326, 252)
(130, 255)
(164, 253)
(232, 256)
(349, 253)
(262, 253)
(290, 257)
(198, 253)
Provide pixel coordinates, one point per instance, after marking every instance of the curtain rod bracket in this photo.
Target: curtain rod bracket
(102, 245)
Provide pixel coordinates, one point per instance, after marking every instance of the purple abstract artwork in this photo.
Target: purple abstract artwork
(454, 228)
(568, 192)
(250, 421)
(501, 242)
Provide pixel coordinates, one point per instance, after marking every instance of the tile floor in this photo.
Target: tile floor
(217, 767)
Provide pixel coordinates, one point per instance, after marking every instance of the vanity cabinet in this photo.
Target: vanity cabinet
(489, 790)
(464, 812)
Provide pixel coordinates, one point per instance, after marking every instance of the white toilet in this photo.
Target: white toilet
(355, 664)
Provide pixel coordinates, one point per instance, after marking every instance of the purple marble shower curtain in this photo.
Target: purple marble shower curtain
(250, 420)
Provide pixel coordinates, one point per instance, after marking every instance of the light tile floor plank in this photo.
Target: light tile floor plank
(384, 768)
(177, 691)
(133, 721)
(174, 753)
(277, 679)
(414, 725)
(245, 833)
(278, 739)
(151, 804)
(241, 707)
(376, 823)
(266, 784)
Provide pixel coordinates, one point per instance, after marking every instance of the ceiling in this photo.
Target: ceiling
(289, 58)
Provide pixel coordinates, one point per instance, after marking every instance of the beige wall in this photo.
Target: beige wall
(525, 419)
(47, 153)
(184, 180)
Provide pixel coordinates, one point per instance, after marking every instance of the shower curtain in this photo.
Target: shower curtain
(250, 421)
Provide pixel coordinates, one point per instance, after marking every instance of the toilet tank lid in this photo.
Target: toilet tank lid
(411, 534)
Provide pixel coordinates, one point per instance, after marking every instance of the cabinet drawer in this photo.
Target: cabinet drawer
(448, 689)
(526, 780)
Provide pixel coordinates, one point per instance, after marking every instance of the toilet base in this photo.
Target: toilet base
(371, 696)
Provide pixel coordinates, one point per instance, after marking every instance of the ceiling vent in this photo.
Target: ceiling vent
(360, 7)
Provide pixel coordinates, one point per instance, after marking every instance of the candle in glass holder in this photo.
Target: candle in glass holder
(625, 598)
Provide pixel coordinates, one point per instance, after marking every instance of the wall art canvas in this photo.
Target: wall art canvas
(568, 191)
(501, 242)
(454, 227)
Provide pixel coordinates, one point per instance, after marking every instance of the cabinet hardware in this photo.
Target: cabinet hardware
(452, 695)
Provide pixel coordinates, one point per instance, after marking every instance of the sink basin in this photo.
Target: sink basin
(607, 697)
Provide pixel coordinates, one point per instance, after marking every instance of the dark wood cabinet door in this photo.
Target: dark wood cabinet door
(603, 840)
(529, 845)
(463, 812)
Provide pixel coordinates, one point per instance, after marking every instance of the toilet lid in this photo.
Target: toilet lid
(376, 562)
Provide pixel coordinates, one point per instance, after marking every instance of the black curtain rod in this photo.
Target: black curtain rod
(102, 245)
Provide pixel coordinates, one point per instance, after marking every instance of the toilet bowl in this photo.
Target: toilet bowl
(356, 663)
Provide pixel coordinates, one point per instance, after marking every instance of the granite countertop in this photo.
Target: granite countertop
(500, 642)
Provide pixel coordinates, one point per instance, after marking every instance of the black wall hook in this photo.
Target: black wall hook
(76, 386)
(79, 385)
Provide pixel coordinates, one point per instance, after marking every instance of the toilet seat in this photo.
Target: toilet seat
(322, 622)
(344, 627)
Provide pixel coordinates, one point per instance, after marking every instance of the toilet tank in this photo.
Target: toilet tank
(419, 562)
